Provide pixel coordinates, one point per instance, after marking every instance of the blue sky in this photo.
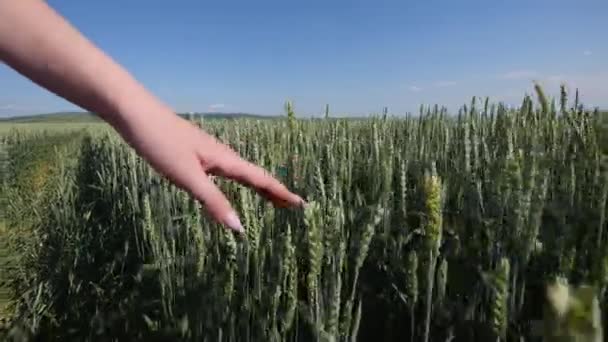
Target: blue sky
(358, 56)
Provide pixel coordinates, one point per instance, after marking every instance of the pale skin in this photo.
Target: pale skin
(41, 45)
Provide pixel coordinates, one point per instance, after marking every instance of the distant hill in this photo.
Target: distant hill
(61, 117)
(230, 116)
(84, 117)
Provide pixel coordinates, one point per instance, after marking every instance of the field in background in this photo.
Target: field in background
(430, 228)
(6, 128)
(60, 122)
(4, 261)
(5, 255)
(26, 172)
(55, 122)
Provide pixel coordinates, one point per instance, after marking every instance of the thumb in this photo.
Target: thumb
(216, 203)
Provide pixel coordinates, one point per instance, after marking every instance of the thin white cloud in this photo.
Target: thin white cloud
(587, 52)
(414, 88)
(217, 106)
(445, 83)
(519, 75)
(15, 107)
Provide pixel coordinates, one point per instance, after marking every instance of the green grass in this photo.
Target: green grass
(374, 201)
(52, 127)
(83, 117)
(62, 117)
(37, 160)
(4, 259)
(61, 122)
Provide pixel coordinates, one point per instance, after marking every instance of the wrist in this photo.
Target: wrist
(135, 106)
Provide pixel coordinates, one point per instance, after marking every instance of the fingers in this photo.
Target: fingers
(259, 179)
(215, 202)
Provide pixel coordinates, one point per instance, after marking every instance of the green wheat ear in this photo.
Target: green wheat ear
(584, 315)
(544, 104)
(572, 313)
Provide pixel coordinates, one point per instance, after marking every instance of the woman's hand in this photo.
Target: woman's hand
(41, 45)
(188, 156)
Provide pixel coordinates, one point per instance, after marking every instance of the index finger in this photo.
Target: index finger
(259, 179)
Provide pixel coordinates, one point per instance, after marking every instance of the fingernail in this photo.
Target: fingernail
(234, 223)
(303, 203)
(300, 200)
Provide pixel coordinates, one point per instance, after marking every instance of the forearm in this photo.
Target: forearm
(42, 46)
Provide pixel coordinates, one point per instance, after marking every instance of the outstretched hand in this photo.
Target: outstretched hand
(188, 155)
(38, 43)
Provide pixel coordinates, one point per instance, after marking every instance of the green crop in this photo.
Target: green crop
(420, 228)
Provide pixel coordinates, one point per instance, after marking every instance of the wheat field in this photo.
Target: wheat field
(482, 225)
